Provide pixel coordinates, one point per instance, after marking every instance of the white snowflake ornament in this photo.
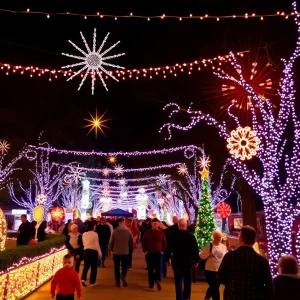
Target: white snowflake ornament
(93, 61)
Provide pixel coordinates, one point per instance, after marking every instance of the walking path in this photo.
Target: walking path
(137, 285)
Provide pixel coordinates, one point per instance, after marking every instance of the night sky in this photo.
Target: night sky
(31, 105)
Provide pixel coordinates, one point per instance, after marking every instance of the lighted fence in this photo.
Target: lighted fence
(18, 282)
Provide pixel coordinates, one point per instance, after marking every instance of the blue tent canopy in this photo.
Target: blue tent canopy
(117, 213)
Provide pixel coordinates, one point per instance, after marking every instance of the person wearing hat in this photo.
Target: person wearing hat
(103, 231)
(75, 246)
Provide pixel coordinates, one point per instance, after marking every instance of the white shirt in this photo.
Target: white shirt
(90, 240)
(74, 239)
(213, 263)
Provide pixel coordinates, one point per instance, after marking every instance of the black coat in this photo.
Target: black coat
(25, 233)
(41, 234)
(103, 233)
(78, 251)
(286, 287)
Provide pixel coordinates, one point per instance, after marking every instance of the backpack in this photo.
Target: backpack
(203, 261)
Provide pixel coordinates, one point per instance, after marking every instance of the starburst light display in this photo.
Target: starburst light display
(75, 174)
(4, 146)
(162, 179)
(105, 192)
(96, 123)
(182, 169)
(93, 61)
(112, 159)
(243, 143)
(105, 172)
(122, 182)
(119, 169)
(204, 162)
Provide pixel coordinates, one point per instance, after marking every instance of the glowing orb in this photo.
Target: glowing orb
(57, 213)
(38, 213)
(243, 143)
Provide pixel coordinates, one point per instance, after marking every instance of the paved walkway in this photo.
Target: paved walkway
(137, 285)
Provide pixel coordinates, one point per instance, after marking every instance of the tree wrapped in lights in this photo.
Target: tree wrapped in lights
(70, 196)
(47, 179)
(270, 127)
(205, 220)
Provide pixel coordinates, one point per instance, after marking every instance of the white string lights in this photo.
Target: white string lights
(270, 129)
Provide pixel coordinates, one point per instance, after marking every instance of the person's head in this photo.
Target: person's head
(217, 237)
(68, 261)
(23, 218)
(121, 222)
(91, 226)
(98, 219)
(78, 221)
(74, 228)
(175, 220)
(162, 226)
(33, 223)
(102, 220)
(288, 265)
(155, 223)
(182, 224)
(129, 222)
(247, 236)
(69, 221)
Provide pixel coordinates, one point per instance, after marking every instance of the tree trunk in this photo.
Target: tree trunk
(248, 205)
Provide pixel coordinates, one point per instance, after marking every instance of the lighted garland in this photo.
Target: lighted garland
(3, 230)
(270, 130)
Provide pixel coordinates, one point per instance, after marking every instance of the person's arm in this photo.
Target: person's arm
(97, 245)
(145, 242)
(111, 244)
(205, 251)
(164, 242)
(195, 250)
(53, 285)
(223, 272)
(77, 286)
(130, 242)
(268, 280)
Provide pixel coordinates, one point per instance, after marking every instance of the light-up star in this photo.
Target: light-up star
(105, 172)
(4, 147)
(182, 169)
(119, 169)
(204, 162)
(204, 173)
(93, 61)
(96, 123)
(122, 182)
(112, 159)
(162, 179)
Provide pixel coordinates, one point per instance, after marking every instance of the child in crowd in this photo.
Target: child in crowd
(66, 281)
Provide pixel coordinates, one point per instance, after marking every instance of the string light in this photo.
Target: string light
(158, 17)
(149, 72)
(270, 130)
(24, 277)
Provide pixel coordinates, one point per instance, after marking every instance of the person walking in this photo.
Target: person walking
(24, 232)
(287, 283)
(246, 274)
(167, 252)
(119, 244)
(185, 257)
(174, 227)
(154, 244)
(75, 246)
(103, 231)
(91, 253)
(135, 233)
(213, 253)
(66, 281)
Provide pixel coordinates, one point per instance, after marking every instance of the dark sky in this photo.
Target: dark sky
(29, 106)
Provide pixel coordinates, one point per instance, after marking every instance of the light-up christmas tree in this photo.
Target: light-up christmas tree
(205, 221)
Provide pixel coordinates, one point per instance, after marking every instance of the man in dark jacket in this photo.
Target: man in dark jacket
(24, 232)
(174, 228)
(246, 274)
(185, 257)
(103, 231)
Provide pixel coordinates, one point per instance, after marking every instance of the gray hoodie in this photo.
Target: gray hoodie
(120, 241)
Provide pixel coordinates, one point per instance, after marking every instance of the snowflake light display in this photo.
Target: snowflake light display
(182, 169)
(93, 61)
(41, 199)
(4, 147)
(162, 179)
(74, 175)
(105, 172)
(118, 169)
(105, 192)
(112, 159)
(122, 182)
(275, 177)
(204, 162)
(243, 143)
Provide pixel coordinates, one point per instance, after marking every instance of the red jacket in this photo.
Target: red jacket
(65, 282)
(154, 241)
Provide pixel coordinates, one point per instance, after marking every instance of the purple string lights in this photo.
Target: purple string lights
(270, 128)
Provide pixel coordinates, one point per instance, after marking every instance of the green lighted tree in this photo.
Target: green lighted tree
(165, 216)
(205, 220)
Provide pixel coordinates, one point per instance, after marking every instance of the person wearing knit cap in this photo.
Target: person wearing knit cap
(75, 246)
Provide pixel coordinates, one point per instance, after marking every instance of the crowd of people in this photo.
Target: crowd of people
(244, 273)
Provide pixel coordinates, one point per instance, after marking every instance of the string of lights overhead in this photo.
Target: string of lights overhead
(131, 15)
(150, 72)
